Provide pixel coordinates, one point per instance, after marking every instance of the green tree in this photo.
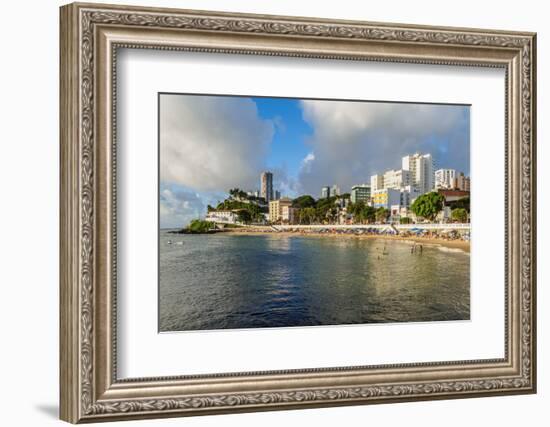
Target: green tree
(198, 226)
(405, 220)
(244, 216)
(459, 215)
(307, 216)
(463, 203)
(368, 214)
(382, 214)
(428, 205)
(323, 207)
(302, 202)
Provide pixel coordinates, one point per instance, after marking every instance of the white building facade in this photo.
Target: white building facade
(222, 217)
(445, 178)
(422, 171)
(397, 178)
(376, 182)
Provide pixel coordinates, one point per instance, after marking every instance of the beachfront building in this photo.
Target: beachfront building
(462, 182)
(266, 186)
(451, 179)
(408, 195)
(289, 215)
(222, 217)
(276, 209)
(360, 193)
(386, 198)
(445, 178)
(376, 182)
(422, 171)
(397, 178)
(400, 197)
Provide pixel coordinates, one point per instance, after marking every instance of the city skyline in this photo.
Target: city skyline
(209, 144)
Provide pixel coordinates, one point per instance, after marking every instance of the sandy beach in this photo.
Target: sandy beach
(427, 241)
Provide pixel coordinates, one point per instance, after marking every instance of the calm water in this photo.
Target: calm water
(225, 282)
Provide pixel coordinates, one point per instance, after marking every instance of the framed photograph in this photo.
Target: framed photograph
(265, 212)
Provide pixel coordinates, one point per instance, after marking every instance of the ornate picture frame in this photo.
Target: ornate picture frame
(90, 37)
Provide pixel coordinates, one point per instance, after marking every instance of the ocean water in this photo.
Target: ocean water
(224, 281)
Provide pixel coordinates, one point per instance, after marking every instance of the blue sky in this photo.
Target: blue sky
(209, 144)
(288, 147)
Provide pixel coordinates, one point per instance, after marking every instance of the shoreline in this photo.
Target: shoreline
(462, 245)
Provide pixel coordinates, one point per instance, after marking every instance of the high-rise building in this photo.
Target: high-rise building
(376, 182)
(462, 182)
(360, 193)
(325, 192)
(445, 178)
(266, 186)
(421, 167)
(396, 178)
(277, 194)
(334, 191)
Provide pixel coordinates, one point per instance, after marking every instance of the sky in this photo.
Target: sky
(209, 144)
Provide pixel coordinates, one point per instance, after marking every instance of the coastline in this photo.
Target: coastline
(459, 244)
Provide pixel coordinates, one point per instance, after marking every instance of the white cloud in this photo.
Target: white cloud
(353, 140)
(212, 143)
(177, 208)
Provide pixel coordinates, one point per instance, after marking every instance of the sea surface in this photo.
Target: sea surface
(224, 281)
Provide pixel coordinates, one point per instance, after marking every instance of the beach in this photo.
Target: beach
(460, 244)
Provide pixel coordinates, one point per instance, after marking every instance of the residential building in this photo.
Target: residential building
(277, 194)
(396, 178)
(401, 197)
(462, 182)
(334, 191)
(445, 178)
(289, 215)
(325, 192)
(266, 186)
(376, 182)
(360, 193)
(421, 167)
(276, 208)
(386, 198)
(408, 194)
(222, 217)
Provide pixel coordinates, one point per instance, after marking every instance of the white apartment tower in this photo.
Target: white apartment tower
(397, 178)
(376, 182)
(421, 167)
(445, 178)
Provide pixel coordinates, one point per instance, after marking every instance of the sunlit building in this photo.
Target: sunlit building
(276, 209)
(422, 171)
(360, 193)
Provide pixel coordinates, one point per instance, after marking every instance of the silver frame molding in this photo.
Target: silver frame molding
(90, 37)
